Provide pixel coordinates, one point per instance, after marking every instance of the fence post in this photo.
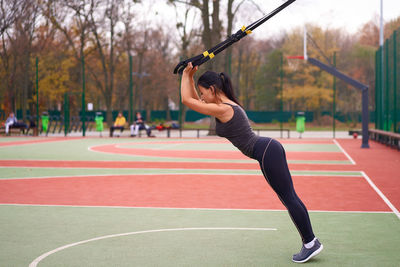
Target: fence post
(334, 97)
(37, 93)
(395, 83)
(376, 89)
(281, 92)
(387, 85)
(130, 90)
(381, 88)
(83, 98)
(66, 113)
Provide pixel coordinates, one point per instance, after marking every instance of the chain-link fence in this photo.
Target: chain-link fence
(387, 93)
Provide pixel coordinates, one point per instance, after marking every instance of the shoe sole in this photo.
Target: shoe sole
(315, 253)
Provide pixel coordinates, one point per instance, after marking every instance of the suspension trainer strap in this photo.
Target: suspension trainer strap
(211, 53)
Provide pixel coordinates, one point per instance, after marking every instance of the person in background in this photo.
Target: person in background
(140, 125)
(12, 122)
(119, 124)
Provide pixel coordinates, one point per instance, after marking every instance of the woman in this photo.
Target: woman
(217, 99)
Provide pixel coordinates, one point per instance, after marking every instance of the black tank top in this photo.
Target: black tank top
(238, 131)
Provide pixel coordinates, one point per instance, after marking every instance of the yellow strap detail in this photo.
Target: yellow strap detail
(205, 53)
(244, 30)
(212, 55)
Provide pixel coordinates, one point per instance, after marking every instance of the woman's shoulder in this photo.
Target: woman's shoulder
(230, 103)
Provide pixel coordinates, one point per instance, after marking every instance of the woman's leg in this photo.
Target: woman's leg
(8, 125)
(132, 128)
(275, 169)
(136, 129)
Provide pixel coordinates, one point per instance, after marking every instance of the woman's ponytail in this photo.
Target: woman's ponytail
(227, 87)
(220, 81)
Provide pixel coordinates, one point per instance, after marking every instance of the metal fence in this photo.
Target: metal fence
(387, 84)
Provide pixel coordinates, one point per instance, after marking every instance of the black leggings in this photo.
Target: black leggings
(272, 158)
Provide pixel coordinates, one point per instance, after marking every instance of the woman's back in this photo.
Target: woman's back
(238, 131)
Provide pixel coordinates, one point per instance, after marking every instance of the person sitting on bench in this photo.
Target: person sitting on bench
(140, 125)
(118, 124)
(12, 122)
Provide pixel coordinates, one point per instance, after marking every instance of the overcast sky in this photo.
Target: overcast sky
(348, 15)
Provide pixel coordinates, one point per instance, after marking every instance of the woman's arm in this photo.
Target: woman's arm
(188, 89)
(191, 99)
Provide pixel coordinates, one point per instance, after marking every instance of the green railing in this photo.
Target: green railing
(387, 84)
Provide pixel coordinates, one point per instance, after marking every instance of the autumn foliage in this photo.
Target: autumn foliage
(106, 33)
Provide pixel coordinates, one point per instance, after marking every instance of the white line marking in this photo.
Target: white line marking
(344, 152)
(171, 159)
(160, 147)
(166, 146)
(137, 174)
(195, 209)
(175, 173)
(379, 192)
(43, 256)
(144, 169)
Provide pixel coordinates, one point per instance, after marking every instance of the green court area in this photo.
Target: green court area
(189, 237)
(82, 149)
(228, 146)
(22, 173)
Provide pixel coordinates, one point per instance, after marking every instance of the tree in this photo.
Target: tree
(17, 39)
(230, 14)
(211, 30)
(10, 11)
(76, 34)
(106, 19)
(267, 82)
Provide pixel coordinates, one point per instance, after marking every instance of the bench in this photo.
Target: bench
(12, 131)
(202, 129)
(274, 130)
(388, 138)
(180, 131)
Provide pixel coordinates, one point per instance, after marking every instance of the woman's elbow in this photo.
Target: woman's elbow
(184, 101)
(189, 102)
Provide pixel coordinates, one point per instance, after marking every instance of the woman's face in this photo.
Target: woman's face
(207, 95)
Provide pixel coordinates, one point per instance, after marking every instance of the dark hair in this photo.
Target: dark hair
(221, 82)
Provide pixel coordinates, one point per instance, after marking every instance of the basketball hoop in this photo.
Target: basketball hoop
(294, 62)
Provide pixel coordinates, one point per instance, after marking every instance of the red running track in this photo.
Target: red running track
(251, 165)
(191, 191)
(380, 163)
(37, 141)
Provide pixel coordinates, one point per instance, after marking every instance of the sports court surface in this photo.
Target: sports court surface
(191, 202)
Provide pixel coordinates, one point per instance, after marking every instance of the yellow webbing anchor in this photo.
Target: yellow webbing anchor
(246, 31)
(211, 55)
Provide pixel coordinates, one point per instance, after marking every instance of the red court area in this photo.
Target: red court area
(37, 141)
(200, 154)
(251, 165)
(218, 191)
(381, 163)
(192, 191)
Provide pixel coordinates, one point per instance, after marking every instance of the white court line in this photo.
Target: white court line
(176, 173)
(160, 147)
(166, 146)
(196, 209)
(344, 152)
(144, 174)
(35, 262)
(379, 192)
(173, 159)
